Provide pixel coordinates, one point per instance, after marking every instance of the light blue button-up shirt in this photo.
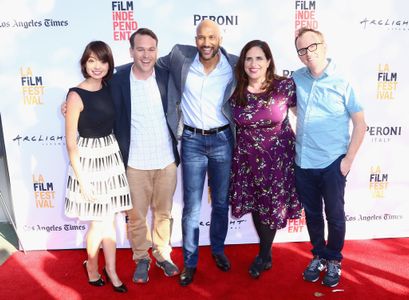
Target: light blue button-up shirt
(324, 107)
(202, 98)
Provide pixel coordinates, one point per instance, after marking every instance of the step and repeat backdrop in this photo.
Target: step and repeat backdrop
(41, 44)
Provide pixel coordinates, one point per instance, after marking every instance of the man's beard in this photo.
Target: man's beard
(214, 53)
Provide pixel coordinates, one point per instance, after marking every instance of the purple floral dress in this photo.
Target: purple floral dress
(262, 176)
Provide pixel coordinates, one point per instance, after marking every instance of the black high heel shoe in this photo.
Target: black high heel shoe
(98, 282)
(120, 289)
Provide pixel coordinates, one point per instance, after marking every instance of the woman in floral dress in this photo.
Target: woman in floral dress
(262, 177)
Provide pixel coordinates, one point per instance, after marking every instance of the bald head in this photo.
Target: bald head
(206, 25)
(208, 41)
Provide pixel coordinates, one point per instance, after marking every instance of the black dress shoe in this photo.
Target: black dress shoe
(98, 282)
(186, 277)
(259, 266)
(119, 289)
(222, 262)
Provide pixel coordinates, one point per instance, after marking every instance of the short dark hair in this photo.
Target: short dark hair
(142, 31)
(103, 52)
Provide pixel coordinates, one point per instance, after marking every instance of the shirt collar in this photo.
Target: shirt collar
(329, 70)
(133, 78)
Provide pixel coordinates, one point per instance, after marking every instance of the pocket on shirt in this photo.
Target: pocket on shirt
(333, 102)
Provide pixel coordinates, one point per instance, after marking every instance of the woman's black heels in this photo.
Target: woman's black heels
(120, 289)
(99, 282)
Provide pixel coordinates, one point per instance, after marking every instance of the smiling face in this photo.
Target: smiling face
(313, 60)
(208, 40)
(256, 64)
(144, 54)
(96, 68)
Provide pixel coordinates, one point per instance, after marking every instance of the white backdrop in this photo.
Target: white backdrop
(41, 43)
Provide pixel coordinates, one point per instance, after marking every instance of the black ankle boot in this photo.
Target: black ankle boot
(259, 266)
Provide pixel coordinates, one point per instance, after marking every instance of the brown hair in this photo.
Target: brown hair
(103, 52)
(239, 94)
(303, 30)
(142, 31)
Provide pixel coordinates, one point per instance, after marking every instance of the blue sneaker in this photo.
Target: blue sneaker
(314, 269)
(333, 274)
(168, 267)
(141, 272)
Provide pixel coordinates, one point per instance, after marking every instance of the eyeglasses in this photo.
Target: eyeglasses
(310, 48)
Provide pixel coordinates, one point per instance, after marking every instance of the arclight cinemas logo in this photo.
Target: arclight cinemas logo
(385, 23)
(39, 139)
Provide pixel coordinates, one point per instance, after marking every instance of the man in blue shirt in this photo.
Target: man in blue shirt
(201, 82)
(324, 151)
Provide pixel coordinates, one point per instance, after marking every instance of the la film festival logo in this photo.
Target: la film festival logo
(44, 194)
(378, 182)
(123, 20)
(32, 88)
(305, 15)
(387, 83)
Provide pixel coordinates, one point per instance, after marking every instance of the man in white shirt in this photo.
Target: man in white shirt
(201, 81)
(147, 139)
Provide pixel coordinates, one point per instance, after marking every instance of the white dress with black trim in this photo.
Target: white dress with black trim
(100, 160)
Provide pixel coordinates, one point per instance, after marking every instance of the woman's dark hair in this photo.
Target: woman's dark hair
(239, 94)
(103, 52)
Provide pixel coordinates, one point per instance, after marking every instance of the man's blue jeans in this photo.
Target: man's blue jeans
(320, 189)
(200, 154)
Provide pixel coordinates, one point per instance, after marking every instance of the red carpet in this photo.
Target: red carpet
(373, 269)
